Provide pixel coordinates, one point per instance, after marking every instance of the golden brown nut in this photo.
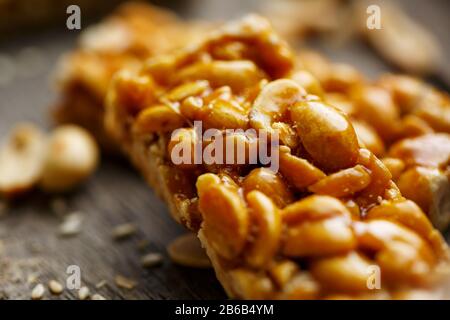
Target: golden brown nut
(319, 238)
(160, 118)
(431, 150)
(225, 220)
(315, 207)
(267, 219)
(236, 74)
(369, 138)
(273, 103)
(430, 189)
(342, 183)
(376, 107)
(299, 172)
(307, 81)
(326, 134)
(342, 78)
(72, 157)
(269, 183)
(343, 273)
(22, 159)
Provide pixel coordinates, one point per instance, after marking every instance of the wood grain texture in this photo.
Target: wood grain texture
(29, 244)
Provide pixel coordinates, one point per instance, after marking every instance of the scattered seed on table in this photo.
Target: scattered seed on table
(98, 297)
(38, 292)
(151, 260)
(125, 283)
(123, 231)
(71, 225)
(101, 284)
(55, 287)
(83, 293)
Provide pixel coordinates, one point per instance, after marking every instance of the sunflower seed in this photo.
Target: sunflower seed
(55, 287)
(123, 231)
(83, 293)
(71, 225)
(151, 260)
(38, 292)
(101, 284)
(125, 283)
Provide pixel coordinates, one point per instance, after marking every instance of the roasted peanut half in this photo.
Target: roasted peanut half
(431, 150)
(273, 102)
(326, 134)
(223, 114)
(395, 166)
(267, 219)
(406, 213)
(434, 195)
(376, 107)
(252, 285)
(314, 207)
(301, 286)
(320, 237)
(341, 78)
(343, 273)
(133, 92)
(298, 171)
(269, 183)
(380, 179)
(186, 90)
(369, 138)
(307, 81)
(225, 220)
(159, 118)
(381, 236)
(238, 74)
(343, 183)
(72, 157)
(21, 160)
(283, 271)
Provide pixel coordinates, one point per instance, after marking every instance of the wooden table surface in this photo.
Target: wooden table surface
(31, 250)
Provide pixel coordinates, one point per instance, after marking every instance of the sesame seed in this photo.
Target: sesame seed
(123, 231)
(83, 293)
(125, 283)
(98, 297)
(151, 260)
(55, 287)
(38, 292)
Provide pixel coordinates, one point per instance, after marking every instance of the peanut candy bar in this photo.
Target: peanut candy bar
(313, 229)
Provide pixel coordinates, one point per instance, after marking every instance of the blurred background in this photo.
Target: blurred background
(33, 35)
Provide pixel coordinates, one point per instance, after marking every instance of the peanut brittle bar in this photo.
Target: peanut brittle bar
(313, 229)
